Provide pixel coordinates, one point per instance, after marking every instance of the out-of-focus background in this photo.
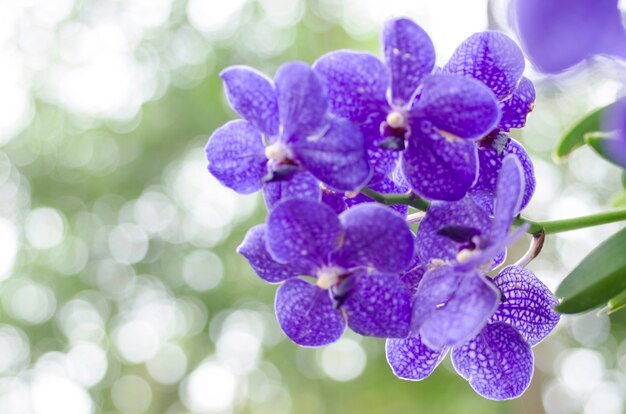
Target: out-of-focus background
(120, 288)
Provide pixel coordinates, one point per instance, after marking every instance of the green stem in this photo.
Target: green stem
(549, 227)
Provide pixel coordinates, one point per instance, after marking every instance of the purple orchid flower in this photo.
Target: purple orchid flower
(460, 244)
(306, 143)
(355, 259)
(498, 360)
(400, 105)
(489, 324)
(558, 34)
(495, 59)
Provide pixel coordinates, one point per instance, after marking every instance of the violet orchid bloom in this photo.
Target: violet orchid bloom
(306, 143)
(495, 59)
(498, 360)
(614, 122)
(489, 324)
(399, 105)
(460, 244)
(355, 258)
(558, 34)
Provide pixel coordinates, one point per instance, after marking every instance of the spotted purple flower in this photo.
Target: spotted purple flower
(355, 259)
(290, 115)
(400, 105)
(558, 34)
(498, 360)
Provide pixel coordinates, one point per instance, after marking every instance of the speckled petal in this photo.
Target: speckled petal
(302, 101)
(380, 306)
(491, 57)
(254, 249)
(386, 186)
(527, 304)
(437, 168)
(460, 106)
(409, 54)
(498, 363)
(301, 185)
(463, 213)
(515, 110)
(413, 275)
(509, 194)
(382, 161)
(474, 301)
(375, 236)
(334, 200)
(357, 83)
(302, 232)
(436, 287)
(306, 314)
(490, 162)
(252, 95)
(236, 156)
(337, 156)
(410, 359)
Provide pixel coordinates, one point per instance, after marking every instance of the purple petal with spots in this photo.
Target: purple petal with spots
(382, 161)
(252, 95)
(527, 304)
(515, 110)
(386, 186)
(337, 156)
(413, 275)
(301, 185)
(463, 213)
(498, 363)
(302, 232)
(437, 168)
(254, 249)
(410, 359)
(436, 287)
(491, 57)
(375, 236)
(306, 315)
(334, 200)
(357, 83)
(236, 156)
(457, 105)
(409, 54)
(509, 193)
(302, 101)
(474, 301)
(380, 306)
(490, 162)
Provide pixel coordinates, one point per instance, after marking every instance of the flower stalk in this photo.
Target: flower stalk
(536, 227)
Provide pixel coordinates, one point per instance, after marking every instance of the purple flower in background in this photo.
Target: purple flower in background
(498, 360)
(558, 34)
(400, 105)
(355, 259)
(614, 122)
(304, 141)
(495, 60)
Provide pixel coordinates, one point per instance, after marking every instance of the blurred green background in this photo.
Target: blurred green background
(120, 288)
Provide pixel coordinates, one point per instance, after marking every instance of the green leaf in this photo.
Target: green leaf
(599, 277)
(618, 200)
(616, 303)
(624, 179)
(576, 136)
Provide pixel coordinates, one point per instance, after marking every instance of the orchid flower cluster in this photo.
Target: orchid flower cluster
(313, 139)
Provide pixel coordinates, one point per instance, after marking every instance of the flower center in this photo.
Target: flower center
(278, 152)
(328, 276)
(396, 119)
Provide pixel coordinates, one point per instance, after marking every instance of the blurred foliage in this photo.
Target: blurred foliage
(131, 271)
